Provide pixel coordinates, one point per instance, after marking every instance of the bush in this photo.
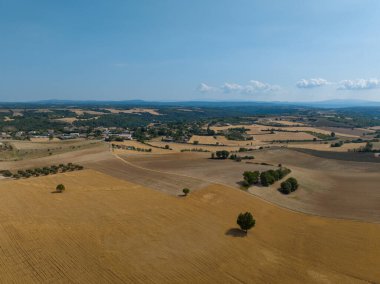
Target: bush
(6, 173)
(186, 191)
(60, 188)
(222, 154)
(246, 221)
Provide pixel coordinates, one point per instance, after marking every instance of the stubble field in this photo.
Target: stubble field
(103, 229)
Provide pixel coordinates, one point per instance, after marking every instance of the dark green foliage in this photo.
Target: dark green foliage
(267, 178)
(222, 154)
(337, 144)
(60, 188)
(271, 176)
(293, 182)
(246, 221)
(186, 191)
(6, 173)
(288, 186)
(251, 178)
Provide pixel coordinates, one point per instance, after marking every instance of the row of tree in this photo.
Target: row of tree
(265, 178)
(61, 168)
(132, 148)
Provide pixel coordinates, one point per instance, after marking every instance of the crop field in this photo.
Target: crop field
(26, 150)
(221, 140)
(92, 235)
(330, 188)
(326, 146)
(92, 153)
(284, 136)
(135, 110)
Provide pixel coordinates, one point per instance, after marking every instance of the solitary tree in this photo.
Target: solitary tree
(186, 191)
(60, 187)
(246, 221)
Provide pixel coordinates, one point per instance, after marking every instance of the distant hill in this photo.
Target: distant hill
(317, 104)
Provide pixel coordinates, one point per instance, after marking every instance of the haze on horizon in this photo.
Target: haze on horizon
(190, 50)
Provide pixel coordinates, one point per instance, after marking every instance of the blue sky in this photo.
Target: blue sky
(190, 50)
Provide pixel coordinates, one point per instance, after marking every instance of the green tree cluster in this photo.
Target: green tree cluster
(288, 186)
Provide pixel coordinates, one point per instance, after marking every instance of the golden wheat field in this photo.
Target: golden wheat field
(103, 230)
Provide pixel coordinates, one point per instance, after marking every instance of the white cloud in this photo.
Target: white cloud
(232, 87)
(204, 88)
(359, 84)
(252, 87)
(311, 83)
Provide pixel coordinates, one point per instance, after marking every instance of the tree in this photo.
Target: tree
(60, 187)
(293, 182)
(246, 221)
(251, 177)
(267, 178)
(222, 154)
(286, 187)
(186, 191)
(332, 134)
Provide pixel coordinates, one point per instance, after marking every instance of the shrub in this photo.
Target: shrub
(222, 154)
(246, 221)
(6, 173)
(60, 188)
(186, 191)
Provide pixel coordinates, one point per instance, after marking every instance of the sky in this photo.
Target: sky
(181, 50)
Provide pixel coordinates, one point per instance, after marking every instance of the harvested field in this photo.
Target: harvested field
(326, 147)
(344, 156)
(280, 121)
(348, 131)
(328, 187)
(252, 129)
(6, 118)
(136, 144)
(78, 111)
(221, 140)
(80, 155)
(45, 140)
(197, 165)
(284, 136)
(67, 119)
(318, 130)
(98, 239)
(177, 147)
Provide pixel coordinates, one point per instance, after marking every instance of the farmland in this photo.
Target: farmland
(123, 212)
(109, 244)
